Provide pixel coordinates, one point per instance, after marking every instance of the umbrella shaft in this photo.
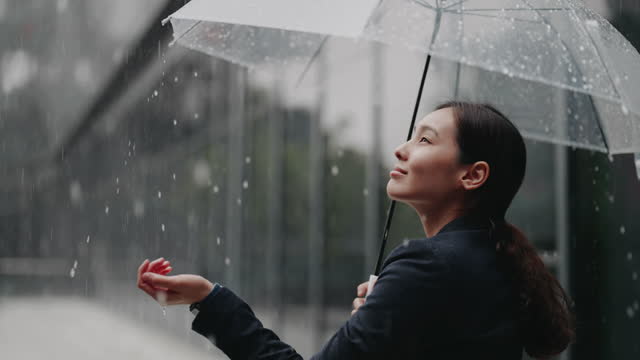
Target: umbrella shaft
(392, 206)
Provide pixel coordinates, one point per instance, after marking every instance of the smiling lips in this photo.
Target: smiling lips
(398, 171)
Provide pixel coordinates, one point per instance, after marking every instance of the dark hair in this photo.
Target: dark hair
(546, 320)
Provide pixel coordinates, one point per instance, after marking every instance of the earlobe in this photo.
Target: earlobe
(476, 175)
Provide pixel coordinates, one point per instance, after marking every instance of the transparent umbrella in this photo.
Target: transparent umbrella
(268, 35)
(560, 71)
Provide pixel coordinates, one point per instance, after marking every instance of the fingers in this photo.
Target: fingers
(159, 269)
(159, 281)
(362, 289)
(141, 284)
(357, 302)
(147, 288)
(156, 264)
(142, 269)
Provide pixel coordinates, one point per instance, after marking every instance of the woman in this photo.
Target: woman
(475, 288)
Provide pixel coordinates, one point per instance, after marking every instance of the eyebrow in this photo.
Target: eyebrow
(425, 127)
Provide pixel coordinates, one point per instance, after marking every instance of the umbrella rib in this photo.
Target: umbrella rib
(615, 88)
(516, 9)
(425, 4)
(456, 4)
(308, 66)
(600, 56)
(494, 17)
(186, 32)
(604, 137)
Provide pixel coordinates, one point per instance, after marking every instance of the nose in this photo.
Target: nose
(400, 152)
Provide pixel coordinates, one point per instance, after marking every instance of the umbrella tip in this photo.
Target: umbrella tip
(165, 20)
(637, 162)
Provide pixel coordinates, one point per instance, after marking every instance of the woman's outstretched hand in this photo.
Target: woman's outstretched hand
(361, 291)
(171, 290)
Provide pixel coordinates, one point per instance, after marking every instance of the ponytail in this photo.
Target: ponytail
(545, 317)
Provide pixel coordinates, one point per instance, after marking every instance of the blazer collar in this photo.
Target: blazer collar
(471, 221)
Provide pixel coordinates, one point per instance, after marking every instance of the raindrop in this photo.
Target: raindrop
(75, 191)
(201, 172)
(247, 160)
(239, 201)
(175, 122)
(175, 79)
(227, 261)
(405, 242)
(245, 184)
(597, 208)
(596, 169)
(624, 109)
(162, 227)
(195, 74)
(612, 199)
(196, 116)
(72, 273)
(334, 170)
(630, 312)
(216, 189)
(581, 48)
(574, 79)
(138, 208)
(590, 22)
(636, 305)
(610, 157)
(106, 210)
(162, 298)
(155, 92)
(629, 256)
(622, 230)
(365, 192)
(88, 238)
(340, 153)
(173, 176)
(159, 195)
(75, 264)
(634, 275)
(218, 241)
(117, 191)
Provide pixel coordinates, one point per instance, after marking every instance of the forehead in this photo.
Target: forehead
(441, 120)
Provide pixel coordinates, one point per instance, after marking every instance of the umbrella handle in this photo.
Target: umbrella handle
(372, 282)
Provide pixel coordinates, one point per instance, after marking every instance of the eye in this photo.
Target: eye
(424, 138)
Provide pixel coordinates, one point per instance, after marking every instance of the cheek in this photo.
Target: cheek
(435, 171)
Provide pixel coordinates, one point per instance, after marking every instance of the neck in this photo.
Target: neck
(433, 221)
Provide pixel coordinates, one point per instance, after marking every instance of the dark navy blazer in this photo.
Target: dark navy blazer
(442, 297)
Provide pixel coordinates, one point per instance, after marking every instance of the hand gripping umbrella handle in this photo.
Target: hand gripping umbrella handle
(372, 282)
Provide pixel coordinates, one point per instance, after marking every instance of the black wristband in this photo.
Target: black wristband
(195, 307)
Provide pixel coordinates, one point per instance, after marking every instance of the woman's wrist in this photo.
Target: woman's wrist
(195, 307)
(206, 290)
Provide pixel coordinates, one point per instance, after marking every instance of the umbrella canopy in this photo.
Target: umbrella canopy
(552, 45)
(557, 43)
(260, 34)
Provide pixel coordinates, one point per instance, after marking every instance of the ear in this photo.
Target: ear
(475, 176)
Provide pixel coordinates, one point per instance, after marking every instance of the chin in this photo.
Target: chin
(394, 194)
